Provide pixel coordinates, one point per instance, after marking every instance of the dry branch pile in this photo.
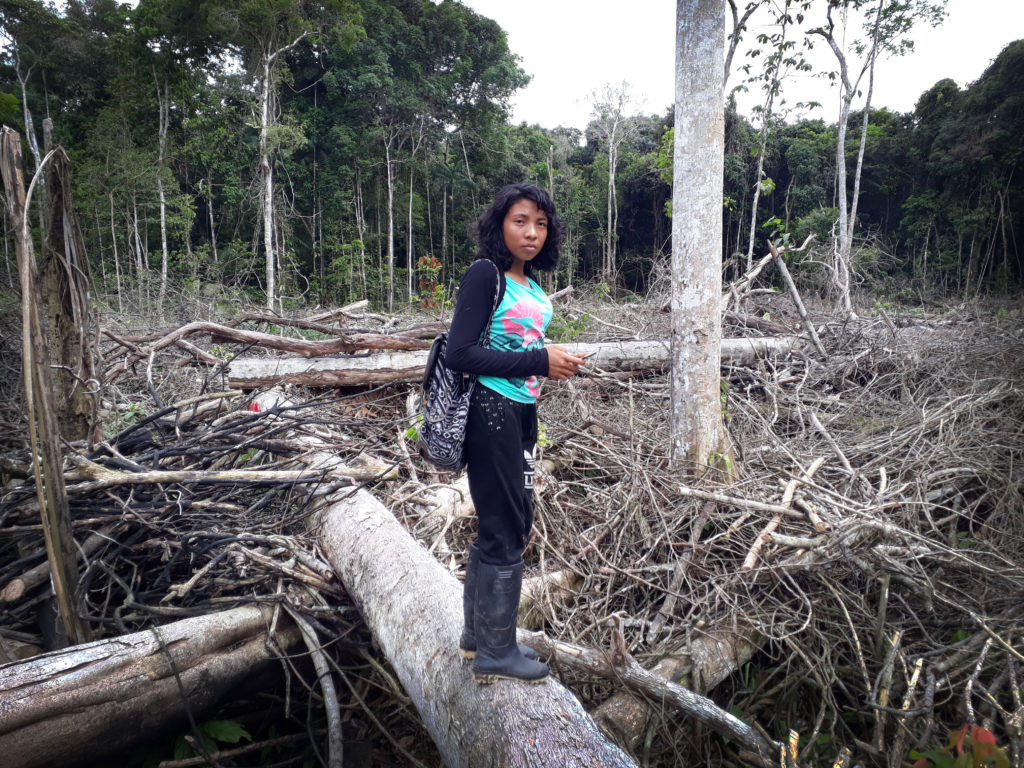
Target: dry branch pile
(203, 506)
(861, 584)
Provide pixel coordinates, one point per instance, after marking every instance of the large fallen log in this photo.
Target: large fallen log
(74, 707)
(413, 607)
(407, 366)
(346, 344)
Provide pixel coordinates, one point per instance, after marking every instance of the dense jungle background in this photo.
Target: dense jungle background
(382, 128)
(252, 176)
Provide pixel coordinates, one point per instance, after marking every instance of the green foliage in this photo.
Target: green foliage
(412, 434)
(818, 223)
(10, 109)
(124, 418)
(563, 328)
(421, 89)
(213, 734)
(543, 441)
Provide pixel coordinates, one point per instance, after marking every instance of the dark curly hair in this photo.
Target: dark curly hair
(491, 231)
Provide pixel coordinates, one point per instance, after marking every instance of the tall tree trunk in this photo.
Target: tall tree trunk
(117, 260)
(267, 183)
(26, 113)
(613, 208)
(39, 403)
(213, 227)
(391, 221)
(361, 229)
(409, 246)
(66, 282)
(697, 435)
(268, 108)
(140, 249)
(164, 109)
(859, 168)
(847, 218)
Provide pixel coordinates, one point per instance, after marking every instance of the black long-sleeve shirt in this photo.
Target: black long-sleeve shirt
(472, 308)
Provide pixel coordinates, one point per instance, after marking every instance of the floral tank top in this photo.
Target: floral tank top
(518, 325)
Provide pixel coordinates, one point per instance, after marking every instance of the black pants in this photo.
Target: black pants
(501, 436)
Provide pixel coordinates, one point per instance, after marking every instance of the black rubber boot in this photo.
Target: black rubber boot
(467, 644)
(497, 604)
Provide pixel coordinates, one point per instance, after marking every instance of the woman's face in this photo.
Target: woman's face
(525, 229)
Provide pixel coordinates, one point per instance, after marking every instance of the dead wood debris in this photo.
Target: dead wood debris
(204, 505)
(878, 511)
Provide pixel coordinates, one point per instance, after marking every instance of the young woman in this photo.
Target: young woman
(519, 234)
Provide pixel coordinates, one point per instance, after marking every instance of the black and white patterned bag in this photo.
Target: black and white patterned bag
(446, 394)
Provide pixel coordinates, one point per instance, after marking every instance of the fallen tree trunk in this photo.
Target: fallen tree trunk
(348, 344)
(408, 366)
(413, 607)
(72, 707)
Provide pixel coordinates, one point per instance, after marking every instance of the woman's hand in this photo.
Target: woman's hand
(562, 364)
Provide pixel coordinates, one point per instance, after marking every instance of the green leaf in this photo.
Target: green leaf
(225, 731)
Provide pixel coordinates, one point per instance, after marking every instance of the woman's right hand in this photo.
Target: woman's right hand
(562, 364)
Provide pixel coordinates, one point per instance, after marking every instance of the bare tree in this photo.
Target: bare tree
(614, 125)
(698, 170)
(885, 30)
(267, 118)
(163, 101)
(739, 26)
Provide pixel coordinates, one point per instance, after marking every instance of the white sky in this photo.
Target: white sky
(572, 48)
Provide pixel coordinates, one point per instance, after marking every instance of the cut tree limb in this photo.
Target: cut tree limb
(40, 574)
(710, 659)
(408, 366)
(780, 264)
(623, 668)
(70, 707)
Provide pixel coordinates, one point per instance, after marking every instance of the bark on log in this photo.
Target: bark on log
(711, 659)
(619, 666)
(402, 366)
(76, 706)
(413, 607)
(308, 349)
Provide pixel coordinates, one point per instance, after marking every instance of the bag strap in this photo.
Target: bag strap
(499, 294)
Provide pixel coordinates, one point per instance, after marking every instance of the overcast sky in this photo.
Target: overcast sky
(573, 47)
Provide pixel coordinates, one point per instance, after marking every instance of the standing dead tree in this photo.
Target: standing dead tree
(39, 398)
(70, 326)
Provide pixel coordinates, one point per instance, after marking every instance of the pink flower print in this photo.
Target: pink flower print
(533, 386)
(524, 319)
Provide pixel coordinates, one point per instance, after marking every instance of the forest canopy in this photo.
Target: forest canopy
(348, 144)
